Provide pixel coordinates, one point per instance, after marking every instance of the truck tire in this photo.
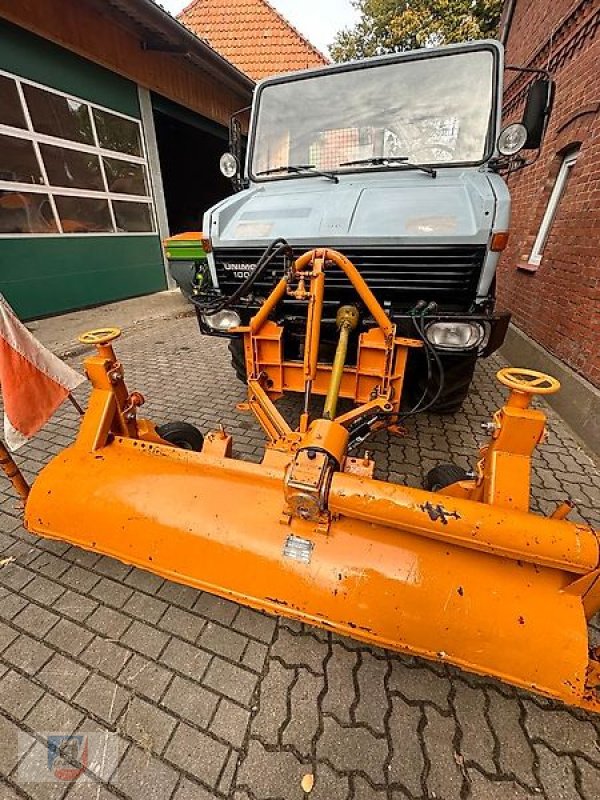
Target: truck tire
(183, 273)
(238, 359)
(458, 375)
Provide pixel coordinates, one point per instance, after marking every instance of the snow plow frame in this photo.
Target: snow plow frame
(466, 575)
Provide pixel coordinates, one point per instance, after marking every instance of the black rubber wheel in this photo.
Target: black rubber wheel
(443, 475)
(181, 434)
(458, 375)
(238, 359)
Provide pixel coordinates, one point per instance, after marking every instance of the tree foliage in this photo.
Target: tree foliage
(388, 26)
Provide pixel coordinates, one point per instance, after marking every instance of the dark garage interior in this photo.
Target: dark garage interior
(189, 152)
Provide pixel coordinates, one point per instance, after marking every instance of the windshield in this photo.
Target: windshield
(428, 111)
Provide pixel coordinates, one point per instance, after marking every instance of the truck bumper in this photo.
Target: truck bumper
(494, 323)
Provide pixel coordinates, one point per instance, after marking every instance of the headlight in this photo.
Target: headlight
(223, 320)
(228, 165)
(512, 139)
(455, 335)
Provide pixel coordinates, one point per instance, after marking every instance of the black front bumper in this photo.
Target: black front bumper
(496, 324)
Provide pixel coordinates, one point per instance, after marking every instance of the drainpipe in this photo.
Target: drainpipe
(508, 17)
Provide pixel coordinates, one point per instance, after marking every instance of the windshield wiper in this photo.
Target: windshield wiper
(299, 168)
(394, 161)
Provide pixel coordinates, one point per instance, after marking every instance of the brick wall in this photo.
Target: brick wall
(558, 304)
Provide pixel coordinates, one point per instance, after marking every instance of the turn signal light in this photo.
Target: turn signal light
(206, 244)
(499, 241)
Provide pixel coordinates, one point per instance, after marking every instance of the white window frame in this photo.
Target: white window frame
(558, 190)
(52, 191)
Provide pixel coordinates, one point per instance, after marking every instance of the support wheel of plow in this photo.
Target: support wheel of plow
(181, 434)
(444, 475)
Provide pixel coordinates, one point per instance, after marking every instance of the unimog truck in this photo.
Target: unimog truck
(397, 162)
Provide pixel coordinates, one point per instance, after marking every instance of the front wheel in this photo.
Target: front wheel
(458, 375)
(238, 359)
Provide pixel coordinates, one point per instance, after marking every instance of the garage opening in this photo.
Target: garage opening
(189, 149)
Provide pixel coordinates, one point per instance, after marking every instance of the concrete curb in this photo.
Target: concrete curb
(59, 334)
(578, 402)
(80, 349)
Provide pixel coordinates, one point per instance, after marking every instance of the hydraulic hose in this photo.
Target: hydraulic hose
(220, 302)
(430, 353)
(365, 428)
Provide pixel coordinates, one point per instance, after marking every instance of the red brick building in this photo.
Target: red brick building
(550, 274)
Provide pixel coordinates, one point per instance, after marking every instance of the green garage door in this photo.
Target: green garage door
(77, 223)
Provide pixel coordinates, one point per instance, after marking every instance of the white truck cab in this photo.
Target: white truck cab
(395, 161)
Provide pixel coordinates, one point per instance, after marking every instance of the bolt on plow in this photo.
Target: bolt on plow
(460, 572)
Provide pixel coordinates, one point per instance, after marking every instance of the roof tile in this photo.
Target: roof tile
(252, 35)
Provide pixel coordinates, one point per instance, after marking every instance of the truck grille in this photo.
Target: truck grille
(402, 276)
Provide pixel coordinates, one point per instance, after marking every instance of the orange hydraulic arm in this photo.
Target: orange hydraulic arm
(375, 383)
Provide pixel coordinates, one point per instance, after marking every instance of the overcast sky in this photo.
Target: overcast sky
(318, 20)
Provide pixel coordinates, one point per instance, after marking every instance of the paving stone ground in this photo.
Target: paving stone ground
(203, 698)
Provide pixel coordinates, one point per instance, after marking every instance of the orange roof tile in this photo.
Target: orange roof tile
(252, 35)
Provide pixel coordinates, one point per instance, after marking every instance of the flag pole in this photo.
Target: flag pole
(75, 404)
(13, 473)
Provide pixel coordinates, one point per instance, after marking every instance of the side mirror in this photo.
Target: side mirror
(538, 107)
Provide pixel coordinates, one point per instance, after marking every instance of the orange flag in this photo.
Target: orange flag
(34, 381)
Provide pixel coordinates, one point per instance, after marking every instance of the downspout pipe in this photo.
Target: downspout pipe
(507, 22)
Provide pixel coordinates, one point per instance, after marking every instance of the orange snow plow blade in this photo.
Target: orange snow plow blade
(464, 575)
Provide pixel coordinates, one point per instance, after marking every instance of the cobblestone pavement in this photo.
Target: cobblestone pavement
(208, 699)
